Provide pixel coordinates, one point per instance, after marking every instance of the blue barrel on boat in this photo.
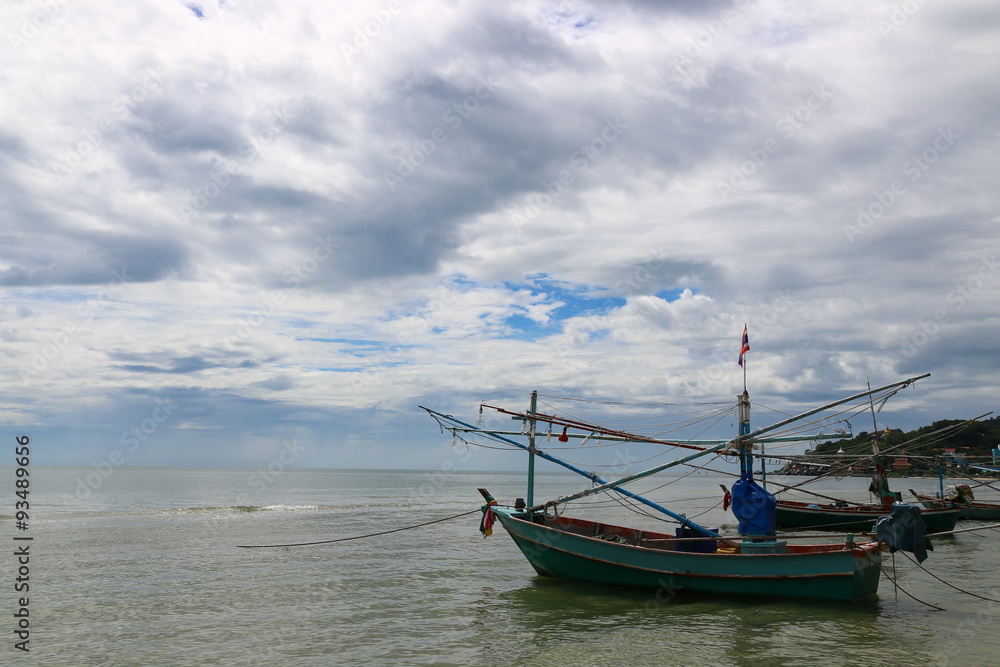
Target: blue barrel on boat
(706, 546)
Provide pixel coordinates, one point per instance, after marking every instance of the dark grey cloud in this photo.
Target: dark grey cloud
(280, 382)
(319, 124)
(179, 122)
(657, 271)
(208, 355)
(666, 7)
(176, 365)
(89, 258)
(948, 349)
(13, 147)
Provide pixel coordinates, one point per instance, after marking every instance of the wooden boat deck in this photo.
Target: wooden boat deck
(661, 541)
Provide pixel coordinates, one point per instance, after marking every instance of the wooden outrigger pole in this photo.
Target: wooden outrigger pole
(684, 521)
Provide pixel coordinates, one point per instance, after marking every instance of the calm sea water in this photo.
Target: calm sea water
(143, 569)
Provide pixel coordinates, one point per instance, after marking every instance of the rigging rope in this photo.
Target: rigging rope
(356, 537)
(637, 404)
(706, 511)
(676, 425)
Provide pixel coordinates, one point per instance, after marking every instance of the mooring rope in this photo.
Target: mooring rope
(355, 537)
(900, 588)
(975, 595)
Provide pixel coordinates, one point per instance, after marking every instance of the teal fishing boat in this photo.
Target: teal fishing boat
(695, 560)
(569, 548)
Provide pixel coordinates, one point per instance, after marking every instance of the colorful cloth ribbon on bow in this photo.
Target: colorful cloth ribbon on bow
(486, 524)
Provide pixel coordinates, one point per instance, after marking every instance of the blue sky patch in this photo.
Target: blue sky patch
(673, 294)
(359, 342)
(525, 328)
(569, 300)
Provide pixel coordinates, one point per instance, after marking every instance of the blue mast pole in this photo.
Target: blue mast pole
(746, 453)
(743, 405)
(753, 505)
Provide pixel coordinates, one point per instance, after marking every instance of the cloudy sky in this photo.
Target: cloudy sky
(238, 230)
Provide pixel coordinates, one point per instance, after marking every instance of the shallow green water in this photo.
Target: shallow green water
(144, 570)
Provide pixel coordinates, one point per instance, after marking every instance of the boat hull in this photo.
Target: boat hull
(570, 548)
(976, 510)
(791, 514)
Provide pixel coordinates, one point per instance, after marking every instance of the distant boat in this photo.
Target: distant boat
(842, 515)
(757, 562)
(861, 518)
(964, 501)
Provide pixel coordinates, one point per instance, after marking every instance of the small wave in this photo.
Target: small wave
(255, 508)
(285, 508)
(246, 508)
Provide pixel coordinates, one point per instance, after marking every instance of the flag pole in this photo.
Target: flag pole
(743, 358)
(744, 375)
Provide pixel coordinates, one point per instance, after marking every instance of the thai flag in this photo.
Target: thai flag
(745, 347)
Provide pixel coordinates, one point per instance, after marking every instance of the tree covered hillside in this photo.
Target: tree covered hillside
(976, 439)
